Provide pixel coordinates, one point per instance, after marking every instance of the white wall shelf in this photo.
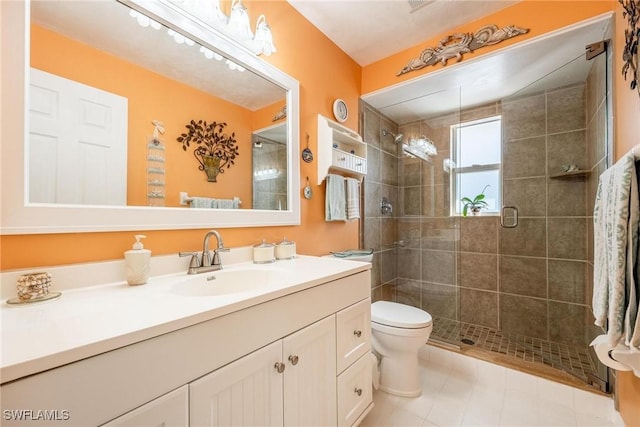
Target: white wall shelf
(340, 149)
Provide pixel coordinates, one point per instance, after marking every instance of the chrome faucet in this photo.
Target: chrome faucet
(202, 263)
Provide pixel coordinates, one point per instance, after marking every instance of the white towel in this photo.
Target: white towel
(615, 216)
(335, 199)
(353, 199)
(201, 202)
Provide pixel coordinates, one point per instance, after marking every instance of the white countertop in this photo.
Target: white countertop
(88, 321)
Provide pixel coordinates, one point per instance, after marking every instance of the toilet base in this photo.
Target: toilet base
(400, 376)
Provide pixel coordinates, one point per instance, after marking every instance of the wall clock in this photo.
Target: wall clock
(340, 110)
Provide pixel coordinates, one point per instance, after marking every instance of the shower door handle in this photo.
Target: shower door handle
(514, 218)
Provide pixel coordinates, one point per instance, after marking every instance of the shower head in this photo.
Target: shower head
(397, 138)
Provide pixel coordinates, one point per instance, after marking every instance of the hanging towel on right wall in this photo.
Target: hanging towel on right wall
(616, 219)
(353, 199)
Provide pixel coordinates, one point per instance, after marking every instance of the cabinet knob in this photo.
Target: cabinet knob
(342, 159)
(279, 367)
(358, 391)
(293, 359)
(357, 333)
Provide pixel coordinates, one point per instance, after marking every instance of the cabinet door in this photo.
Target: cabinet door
(246, 392)
(310, 376)
(170, 410)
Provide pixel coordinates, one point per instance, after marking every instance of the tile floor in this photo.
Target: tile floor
(572, 359)
(459, 390)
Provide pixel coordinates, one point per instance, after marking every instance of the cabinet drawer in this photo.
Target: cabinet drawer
(354, 391)
(353, 333)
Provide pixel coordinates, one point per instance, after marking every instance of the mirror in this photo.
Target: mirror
(241, 89)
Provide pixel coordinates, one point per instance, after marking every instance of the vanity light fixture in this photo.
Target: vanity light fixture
(237, 25)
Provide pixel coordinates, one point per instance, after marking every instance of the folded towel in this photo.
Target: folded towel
(352, 252)
(201, 202)
(335, 199)
(615, 218)
(353, 199)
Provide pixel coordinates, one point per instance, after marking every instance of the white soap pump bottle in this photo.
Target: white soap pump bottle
(137, 262)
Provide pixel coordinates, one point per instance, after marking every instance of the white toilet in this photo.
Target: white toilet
(397, 333)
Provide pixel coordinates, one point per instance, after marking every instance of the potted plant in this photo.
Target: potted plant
(215, 149)
(475, 205)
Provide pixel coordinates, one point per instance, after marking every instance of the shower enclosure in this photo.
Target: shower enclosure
(514, 283)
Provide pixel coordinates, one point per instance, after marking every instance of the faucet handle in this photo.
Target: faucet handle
(195, 262)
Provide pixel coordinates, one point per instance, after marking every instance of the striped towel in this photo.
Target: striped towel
(353, 199)
(615, 218)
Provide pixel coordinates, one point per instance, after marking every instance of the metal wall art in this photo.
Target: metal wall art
(631, 54)
(214, 149)
(456, 44)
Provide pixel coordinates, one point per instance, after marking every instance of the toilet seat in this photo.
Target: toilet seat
(399, 315)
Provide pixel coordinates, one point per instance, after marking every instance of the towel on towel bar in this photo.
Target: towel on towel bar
(615, 218)
(200, 202)
(335, 199)
(353, 199)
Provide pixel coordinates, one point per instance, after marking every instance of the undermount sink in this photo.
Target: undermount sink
(226, 282)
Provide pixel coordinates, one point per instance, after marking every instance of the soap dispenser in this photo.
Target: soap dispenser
(137, 262)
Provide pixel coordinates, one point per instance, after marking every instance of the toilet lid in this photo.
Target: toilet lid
(399, 315)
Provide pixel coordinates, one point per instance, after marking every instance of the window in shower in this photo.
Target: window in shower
(476, 160)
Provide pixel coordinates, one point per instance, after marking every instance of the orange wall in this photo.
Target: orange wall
(153, 97)
(626, 135)
(325, 73)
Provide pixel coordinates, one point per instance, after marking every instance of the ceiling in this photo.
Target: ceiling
(370, 30)
(385, 27)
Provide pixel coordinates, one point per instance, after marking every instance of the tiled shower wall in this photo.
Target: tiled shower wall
(271, 193)
(534, 280)
(379, 231)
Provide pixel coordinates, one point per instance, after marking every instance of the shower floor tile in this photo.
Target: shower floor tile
(571, 359)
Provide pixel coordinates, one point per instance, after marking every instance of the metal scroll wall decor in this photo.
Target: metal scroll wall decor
(456, 44)
(281, 114)
(631, 53)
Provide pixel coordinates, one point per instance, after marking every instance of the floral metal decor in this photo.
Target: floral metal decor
(456, 44)
(630, 54)
(215, 149)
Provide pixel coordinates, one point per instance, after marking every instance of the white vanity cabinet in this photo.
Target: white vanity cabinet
(290, 382)
(228, 365)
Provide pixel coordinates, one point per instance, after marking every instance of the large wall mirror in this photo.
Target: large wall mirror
(128, 74)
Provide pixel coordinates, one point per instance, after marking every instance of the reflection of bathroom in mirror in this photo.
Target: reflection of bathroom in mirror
(100, 157)
(269, 155)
